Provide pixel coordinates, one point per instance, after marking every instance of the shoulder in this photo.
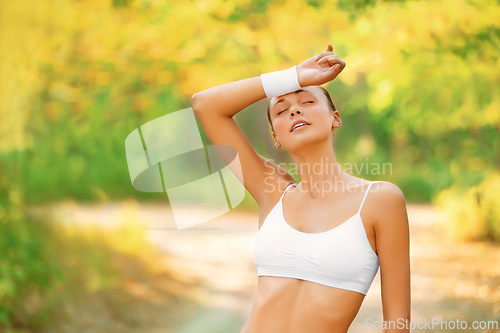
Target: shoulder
(387, 204)
(275, 186)
(387, 192)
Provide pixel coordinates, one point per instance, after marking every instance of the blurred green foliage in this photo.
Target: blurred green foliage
(472, 214)
(420, 90)
(27, 271)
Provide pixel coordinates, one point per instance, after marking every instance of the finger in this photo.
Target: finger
(335, 62)
(338, 68)
(329, 48)
(326, 59)
(322, 54)
(329, 60)
(341, 63)
(330, 74)
(334, 71)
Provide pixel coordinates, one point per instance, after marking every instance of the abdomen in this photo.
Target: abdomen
(291, 305)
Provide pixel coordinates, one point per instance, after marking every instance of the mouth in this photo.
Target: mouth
(297, 125)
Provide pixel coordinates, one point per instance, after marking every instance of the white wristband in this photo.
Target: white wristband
(280, 82)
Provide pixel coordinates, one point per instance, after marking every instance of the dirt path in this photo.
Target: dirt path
(449, 281)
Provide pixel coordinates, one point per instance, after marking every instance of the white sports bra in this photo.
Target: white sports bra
(340, 257)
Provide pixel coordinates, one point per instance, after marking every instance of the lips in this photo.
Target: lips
(298, 124)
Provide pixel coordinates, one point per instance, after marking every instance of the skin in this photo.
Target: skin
(321, 201)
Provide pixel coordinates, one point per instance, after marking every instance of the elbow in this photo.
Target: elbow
(196, 96)
(197, 102)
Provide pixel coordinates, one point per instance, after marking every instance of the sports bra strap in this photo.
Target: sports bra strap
(286, 190)
(364, 198)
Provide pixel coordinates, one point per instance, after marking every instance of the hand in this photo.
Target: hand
(320, 69)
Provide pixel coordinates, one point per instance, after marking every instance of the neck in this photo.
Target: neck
(318, 169)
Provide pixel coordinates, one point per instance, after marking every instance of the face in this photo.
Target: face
(308, 105)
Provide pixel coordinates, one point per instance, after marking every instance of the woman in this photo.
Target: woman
(321, 241)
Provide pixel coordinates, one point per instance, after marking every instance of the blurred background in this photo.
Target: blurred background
(421, 92)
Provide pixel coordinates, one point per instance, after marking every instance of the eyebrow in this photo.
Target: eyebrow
(296, 93)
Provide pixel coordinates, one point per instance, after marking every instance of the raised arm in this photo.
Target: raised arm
(215, 108)
(230, 98)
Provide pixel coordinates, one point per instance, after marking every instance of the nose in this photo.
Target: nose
(293, 112)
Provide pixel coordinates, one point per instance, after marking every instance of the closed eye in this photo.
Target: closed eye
(308, 102)
(282, 111)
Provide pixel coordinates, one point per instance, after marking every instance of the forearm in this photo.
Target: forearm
(397, 323)
(396, 297)
(230, 98)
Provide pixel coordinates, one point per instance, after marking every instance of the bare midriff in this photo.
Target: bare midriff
(289, 305)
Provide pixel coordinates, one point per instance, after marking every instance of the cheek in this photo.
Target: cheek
(319, 117)
(280, 125)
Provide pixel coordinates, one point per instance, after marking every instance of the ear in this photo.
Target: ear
(336, 121)
(275, 137)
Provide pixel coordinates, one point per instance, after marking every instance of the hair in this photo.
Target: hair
(325, 92)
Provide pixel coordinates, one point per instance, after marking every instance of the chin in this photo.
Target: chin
(306, 141)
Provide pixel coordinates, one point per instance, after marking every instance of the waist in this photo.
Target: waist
(293, 305)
